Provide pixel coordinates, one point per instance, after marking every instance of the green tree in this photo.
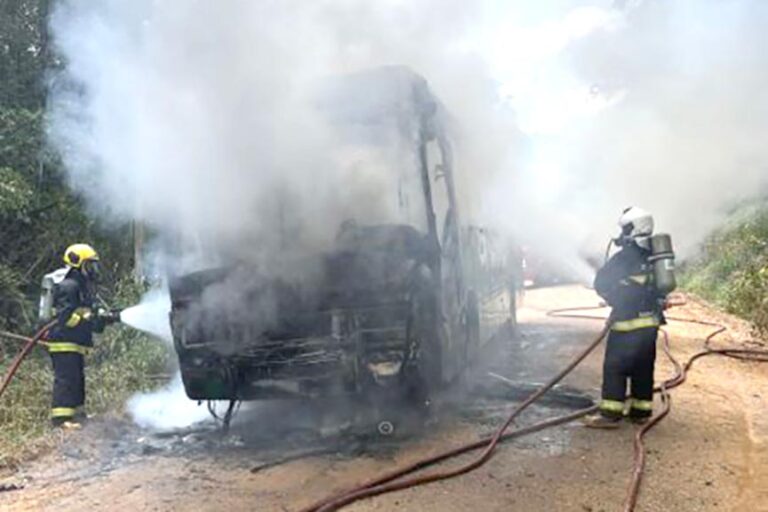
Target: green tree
(39, 214)
(24, 53)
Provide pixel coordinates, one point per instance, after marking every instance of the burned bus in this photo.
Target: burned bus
(392, 309)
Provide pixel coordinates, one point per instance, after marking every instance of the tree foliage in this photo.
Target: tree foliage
(24, 53)
(39, 215)
(732, 269)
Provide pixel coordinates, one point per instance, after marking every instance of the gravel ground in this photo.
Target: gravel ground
(710, 454)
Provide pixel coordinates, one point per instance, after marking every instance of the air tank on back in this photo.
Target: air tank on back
(48, 291)
(663, 260)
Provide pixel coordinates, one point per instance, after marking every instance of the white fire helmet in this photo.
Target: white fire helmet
(636, 223)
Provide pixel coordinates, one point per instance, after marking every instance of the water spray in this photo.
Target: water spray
(151, 315)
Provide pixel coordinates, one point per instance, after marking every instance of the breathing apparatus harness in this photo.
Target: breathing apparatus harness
(637, 228)
(661, 260)
(48, 289)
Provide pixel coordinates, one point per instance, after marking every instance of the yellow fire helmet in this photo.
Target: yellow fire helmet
(77, 254)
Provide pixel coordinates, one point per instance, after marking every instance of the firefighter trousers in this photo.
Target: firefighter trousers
(68, 384)
(629, 355)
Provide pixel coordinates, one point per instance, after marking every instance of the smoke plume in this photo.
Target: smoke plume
(200, 118)
(205, 120)
(656, 104)
(166, 408)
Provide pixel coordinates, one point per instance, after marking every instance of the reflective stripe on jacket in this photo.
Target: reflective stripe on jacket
(76, 322)
(635, 324)
(59, 347)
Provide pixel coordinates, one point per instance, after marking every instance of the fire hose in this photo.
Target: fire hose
(679, 377)
(29, 344)
(681, 373)
(392, 481)
(23, 353)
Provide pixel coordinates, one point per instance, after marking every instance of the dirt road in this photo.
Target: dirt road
(710, 454)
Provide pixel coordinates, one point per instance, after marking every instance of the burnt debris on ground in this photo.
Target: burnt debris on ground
(269, 434)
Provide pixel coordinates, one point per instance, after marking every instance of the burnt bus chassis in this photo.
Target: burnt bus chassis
(377, 354)
(404, 342)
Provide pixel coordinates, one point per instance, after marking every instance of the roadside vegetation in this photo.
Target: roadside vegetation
(123, 362)
(732, 269)
(39, 218)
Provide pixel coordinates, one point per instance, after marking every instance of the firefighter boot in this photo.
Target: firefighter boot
(70, 425)
(66, 423)
(601, 421)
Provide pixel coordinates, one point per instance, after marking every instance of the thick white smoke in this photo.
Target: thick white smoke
(200, 118)
(658, 104)
(167, 408)
(195, 116)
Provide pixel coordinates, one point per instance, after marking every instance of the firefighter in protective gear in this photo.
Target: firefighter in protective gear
(626, 283)
(72, 334)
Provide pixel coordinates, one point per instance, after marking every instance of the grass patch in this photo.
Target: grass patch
(123, 362)
(732, 270)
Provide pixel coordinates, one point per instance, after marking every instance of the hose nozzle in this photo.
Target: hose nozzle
(110, 316)
(115, 314)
